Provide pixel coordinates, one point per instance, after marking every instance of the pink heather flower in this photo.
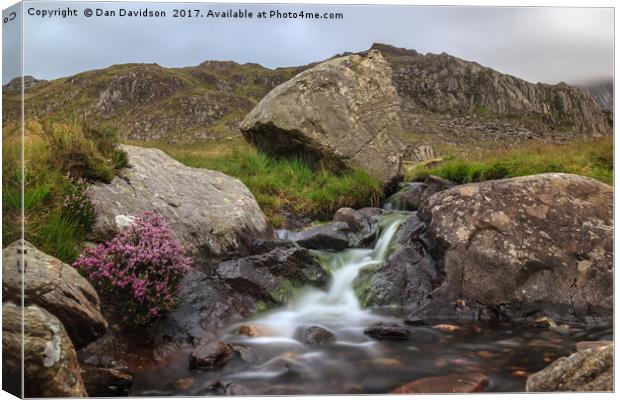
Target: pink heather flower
(143, 263)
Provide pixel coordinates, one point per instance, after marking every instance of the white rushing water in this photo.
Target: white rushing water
(337, 308)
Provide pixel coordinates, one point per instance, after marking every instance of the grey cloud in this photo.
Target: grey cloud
(537, 44)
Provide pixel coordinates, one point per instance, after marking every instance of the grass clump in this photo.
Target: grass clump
(281, 184)
(592, 158)
(60, 161)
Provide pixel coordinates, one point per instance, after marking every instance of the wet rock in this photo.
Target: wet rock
(250, 330)
(205, 304)
(272, 276)
(441, 310)
(409, 198)
(318, 336)
(407, 277)
(447, 328)
(332, 236)
(51, 367)
(235, 389)
(209, 210)
(460, 383)
(213, 354)
(184, 383)
(362, 224)
(390, 331)
(343, 113)
(106, 382)
(592, 344)
(589, 370)
(246, 353)
(55, 286)
(527, 246)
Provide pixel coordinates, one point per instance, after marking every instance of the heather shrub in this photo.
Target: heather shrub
(140, 268)
(78, 206)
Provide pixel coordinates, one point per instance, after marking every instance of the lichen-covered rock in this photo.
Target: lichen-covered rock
(343, 113)
(589, 370)
(51, 368)
(55, 286)
(534, 245)
(318, 336)
(213, 212)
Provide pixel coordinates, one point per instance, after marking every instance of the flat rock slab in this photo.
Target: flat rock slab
(213, 212)
(461, 383)
(592, 344)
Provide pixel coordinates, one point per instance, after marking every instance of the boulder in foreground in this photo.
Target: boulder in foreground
(527, 246)
(587, 370)
(342, 113)
(213, 212)
(55, 286)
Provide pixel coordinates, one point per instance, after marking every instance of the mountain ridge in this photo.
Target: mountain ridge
(445, 100)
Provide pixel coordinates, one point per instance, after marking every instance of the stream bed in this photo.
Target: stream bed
(277, 361)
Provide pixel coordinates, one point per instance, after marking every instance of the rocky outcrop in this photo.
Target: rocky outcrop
(272, 277)
(56, 287)
(342, 113)
(441, 83)
(51, 368)
(408, 275)
(15, 84)
(522, 247)
(602, 92)
(412, 194)
(589, 370)
(350, 228)
(212, 212)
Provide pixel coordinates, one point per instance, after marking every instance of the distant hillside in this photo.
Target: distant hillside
(602, 92)
(150, 102)
(446, 101)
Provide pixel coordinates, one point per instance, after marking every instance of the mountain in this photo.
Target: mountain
(445, 101)
(449, 100)
(602, 93)
(151, 102)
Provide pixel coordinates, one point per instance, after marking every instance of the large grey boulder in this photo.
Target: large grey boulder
(343, 113)
(589, 370)
(51, 368)
(527, 246)
(55, 286)
(213, 212)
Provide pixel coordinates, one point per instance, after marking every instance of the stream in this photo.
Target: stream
(278, 361)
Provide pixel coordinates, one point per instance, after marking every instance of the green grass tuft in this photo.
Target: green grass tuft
(281, 184)
(593, 158)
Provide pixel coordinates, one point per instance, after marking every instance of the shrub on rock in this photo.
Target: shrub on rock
(141, 267)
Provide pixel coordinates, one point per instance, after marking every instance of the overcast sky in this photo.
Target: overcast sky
(537, 44)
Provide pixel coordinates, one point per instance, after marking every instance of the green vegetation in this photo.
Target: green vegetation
(59, 161)
(593, 158)
(281, 184)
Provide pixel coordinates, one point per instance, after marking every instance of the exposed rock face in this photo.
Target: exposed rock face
(207, 209)
(602, 92)
(589, 370)
(15, 84)
(440, 83)
(525, 246)
(412, 194)
(271, 277)
(55, 286)
(343, 112)
(51, 368)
